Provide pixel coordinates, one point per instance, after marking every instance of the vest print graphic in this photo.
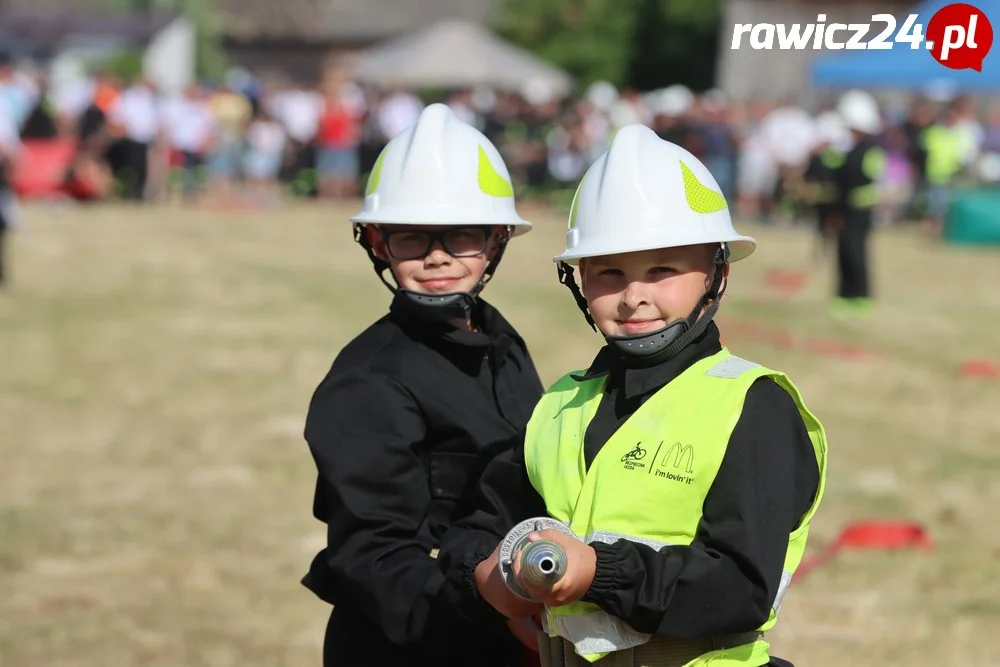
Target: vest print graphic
(673, 462)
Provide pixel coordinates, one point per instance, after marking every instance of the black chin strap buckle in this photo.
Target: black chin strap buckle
(721, 258)
(566, 278)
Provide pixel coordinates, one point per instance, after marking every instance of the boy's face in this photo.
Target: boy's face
(421, 263)
(641, 292)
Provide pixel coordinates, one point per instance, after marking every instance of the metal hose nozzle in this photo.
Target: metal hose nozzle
(543, 563)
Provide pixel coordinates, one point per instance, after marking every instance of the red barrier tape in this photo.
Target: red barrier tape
(880, 535)
(786, 281)
(782, 339)
(980, 368)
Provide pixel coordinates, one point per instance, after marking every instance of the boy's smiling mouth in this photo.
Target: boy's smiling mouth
(637, 325)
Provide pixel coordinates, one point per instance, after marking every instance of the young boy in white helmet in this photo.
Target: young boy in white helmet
(679, 479)
(414, 407)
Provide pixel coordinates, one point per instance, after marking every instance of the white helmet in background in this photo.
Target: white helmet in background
(602, 95)
(440, 171)
(859, 111)
(830, 130)
(645, 193)
(675, 100)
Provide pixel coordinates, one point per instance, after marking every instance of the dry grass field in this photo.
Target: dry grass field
(155, 490)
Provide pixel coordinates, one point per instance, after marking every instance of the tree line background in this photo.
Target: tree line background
(645, 44)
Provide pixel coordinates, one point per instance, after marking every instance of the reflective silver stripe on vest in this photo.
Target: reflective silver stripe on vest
(731, 367)
(786, 580)
(599, 631)
(606, 537)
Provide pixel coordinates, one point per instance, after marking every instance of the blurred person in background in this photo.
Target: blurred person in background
(42, 121)
(757, 177)
(921, 116)
(231, 113)
(968, 126)
(566, 145)
(717, 141)
(896, 184)
(629, 109)
(299, 108)
(503, 112)
(947, 145)
(461, 104)
(527, 137)
(17, 97)
(671, 115)
(10, 145)
(788, 133)
(339, 137)
(857, 198)
(91, 174)
(135, 116)
(412, 408)
(594, 113)
(372, 139)
(94, 117)
(398, 110)
(820, 178)
(265, 146)
(190, 128)
(990, 163)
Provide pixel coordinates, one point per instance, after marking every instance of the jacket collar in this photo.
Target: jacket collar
(635, 380)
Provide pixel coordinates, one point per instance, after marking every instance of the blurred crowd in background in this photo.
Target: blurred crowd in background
(124, 139)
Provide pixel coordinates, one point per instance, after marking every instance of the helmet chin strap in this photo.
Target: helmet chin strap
(435, 308)
(658, 346)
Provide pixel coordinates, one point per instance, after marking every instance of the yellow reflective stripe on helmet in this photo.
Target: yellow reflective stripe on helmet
(700, 198)
(491, 182)
(376, 173)
(574, 207)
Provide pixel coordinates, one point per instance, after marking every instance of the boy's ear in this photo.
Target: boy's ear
(374, 238)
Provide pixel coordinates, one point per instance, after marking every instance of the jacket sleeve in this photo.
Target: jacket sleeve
(726, 580)
(505, 498)
(363, 433)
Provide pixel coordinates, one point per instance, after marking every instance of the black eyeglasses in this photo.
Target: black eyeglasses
(404, 244)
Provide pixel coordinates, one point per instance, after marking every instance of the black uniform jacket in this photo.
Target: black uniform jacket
(727, 579)
(400, 430)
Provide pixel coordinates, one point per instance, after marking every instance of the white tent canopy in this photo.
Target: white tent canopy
(458, 54)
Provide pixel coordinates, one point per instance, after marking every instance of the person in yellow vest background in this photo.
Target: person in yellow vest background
(678, 479)
(819, 183)
(857, 198)
(949, 148)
